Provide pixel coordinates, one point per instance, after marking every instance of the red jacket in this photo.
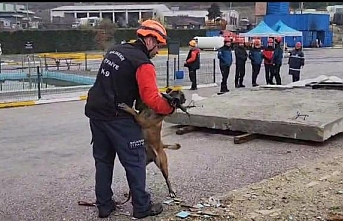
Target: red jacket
(149, 92)
(268, 55)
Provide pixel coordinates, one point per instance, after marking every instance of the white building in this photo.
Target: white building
(332, 9)
(17, 16)
(202, 13)
(113, 12)
(137, 11)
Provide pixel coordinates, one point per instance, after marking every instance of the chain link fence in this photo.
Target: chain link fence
(33, 77)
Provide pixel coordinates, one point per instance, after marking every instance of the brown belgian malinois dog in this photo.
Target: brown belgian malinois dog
(151, 124)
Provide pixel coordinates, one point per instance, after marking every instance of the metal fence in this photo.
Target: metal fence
(34, 77)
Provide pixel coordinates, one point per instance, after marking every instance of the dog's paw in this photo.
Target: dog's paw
(172, 194)
(122, 106)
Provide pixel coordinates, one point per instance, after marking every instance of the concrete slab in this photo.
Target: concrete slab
(298, 113)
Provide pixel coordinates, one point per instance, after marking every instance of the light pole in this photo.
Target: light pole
(230, 14)
(301, 7)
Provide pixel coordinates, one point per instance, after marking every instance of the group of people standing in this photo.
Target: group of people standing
(271, 56)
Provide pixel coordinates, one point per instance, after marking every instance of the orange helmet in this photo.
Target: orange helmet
(192, 43)
(298, 45)
(153, 28)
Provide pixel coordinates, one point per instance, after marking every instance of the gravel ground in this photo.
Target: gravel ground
(46, 164)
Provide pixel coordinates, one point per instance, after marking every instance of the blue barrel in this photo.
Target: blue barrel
(179, 74)
(281, 8)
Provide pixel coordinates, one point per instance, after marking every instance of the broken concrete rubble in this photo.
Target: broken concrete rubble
(297, 113)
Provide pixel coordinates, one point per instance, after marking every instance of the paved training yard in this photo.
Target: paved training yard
(46, 162)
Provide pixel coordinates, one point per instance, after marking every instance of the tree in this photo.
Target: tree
(214, 12)
(105, 33)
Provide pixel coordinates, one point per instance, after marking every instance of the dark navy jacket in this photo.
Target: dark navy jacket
(296, 60)
(116, 81)
(256, 56)
(278, 55)
(241, 55)
(224, 55)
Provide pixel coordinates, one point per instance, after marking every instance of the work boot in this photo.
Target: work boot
(106, 210)
(241, 83)
(156, 208)
(224, 89)
(236, 83)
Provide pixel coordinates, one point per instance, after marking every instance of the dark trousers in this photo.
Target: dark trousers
(240, 73)
(193, 78)
(276, 74)
(268, 68)
(225, 71)
(255, 72)
(295, 75)
(123, 137)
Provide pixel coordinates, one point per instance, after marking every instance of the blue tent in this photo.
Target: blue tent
(261, 30)
(285, 30)
(291, 35)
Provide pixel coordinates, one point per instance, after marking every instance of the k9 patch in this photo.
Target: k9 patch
(136, 144)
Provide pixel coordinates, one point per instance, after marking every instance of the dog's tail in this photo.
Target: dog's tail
(172, 146)
(127, 199)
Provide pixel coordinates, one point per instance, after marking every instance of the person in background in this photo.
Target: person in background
(256, 57)
(277, 60)
(241, 58)
(224, 55)
(193, 63)
(125, 75)
(267, 60)
(296, 61)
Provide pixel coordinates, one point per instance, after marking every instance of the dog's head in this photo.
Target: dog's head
(177, 93)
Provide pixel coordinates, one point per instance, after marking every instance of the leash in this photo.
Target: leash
(93, 204)
(85, 203)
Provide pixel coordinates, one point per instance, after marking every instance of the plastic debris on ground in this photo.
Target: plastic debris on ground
(208, 208)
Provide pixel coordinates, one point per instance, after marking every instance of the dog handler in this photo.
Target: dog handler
(126, 74)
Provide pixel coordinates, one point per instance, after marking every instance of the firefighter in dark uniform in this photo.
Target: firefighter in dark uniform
(296, 61)
(267, 60)
(277, 60)
(256, 57)
(241, 58)
(224, 55)
(126, 74)
(193, 63)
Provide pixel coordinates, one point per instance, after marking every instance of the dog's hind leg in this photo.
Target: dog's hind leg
(161, 162)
